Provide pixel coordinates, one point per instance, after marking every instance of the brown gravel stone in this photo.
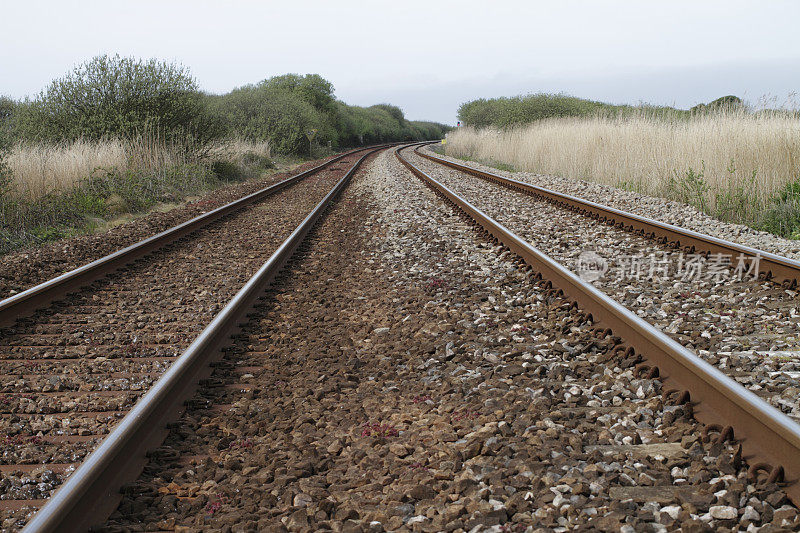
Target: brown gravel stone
(333, 397)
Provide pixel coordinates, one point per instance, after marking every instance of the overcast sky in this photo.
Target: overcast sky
(426, 56)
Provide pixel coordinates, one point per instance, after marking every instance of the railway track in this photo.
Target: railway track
(770, 438)
(746, 327)
(70, 373)
(414, 377)
(773, 267)
(407, 374)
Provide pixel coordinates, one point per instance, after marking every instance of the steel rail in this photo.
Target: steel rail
(769, 439)
(91, 493)
(28, 301)
(771, 266)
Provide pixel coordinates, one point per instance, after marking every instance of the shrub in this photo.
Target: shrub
(782, 215)
(257, 161)
(505, 112)
(226, 170)
(122, 98)
(281, 109)
(725, 103)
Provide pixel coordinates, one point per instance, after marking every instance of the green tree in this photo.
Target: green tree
(281, 109)
(112, 96)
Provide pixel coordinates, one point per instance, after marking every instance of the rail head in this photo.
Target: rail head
(91, 493)
(766, 434)
(772, 266)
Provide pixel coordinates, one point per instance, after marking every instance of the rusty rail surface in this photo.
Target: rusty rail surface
(92, 493)
(28, 301)
(771, 266)
(770, 440)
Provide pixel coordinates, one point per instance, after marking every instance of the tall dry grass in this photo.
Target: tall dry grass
(39, 169)
(723, 162)
(234, 149)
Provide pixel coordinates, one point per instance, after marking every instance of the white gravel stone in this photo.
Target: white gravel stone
(723, 512)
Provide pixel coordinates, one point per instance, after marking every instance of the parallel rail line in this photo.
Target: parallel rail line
(92, 492)
(770, 440)
(27, 301)
(771, 266)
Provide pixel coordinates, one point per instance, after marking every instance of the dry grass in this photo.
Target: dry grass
(234, 149)
(38, 169)
(712, 161)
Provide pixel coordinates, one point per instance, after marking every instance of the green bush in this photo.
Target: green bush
(257, 161)
(226, 171)
(782, 215)
(725, 103)
(152, 103)
(263, 113)
(511, 111)
(119, 97)
(283, 108)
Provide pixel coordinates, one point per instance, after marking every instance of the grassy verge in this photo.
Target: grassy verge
(735, 166)
(56, 194)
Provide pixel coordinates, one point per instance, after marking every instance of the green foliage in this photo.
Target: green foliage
(226, 170)
(689, 187)
(629, 185)
(119, 97)
(275, 112)
(281, 109)
(725, 103)
(153, 103)
(105, 194)
(503, 166)
(782, 215)
(505, 112)
(733, 203)
(256, 161)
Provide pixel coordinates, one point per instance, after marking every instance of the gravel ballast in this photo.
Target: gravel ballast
(24, 269)
(653, 207)
(70, 372)
(406, 375)
(748, 329)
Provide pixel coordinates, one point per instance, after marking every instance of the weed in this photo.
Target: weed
(629, 185)
(734, 202)
(464, 414)
(435, 283)
(379, 430)
(690, 187)
(503, 166)
(216, 505)
(226, 171)
(782, 214)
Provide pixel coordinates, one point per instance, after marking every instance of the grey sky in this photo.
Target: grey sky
(426, 56)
